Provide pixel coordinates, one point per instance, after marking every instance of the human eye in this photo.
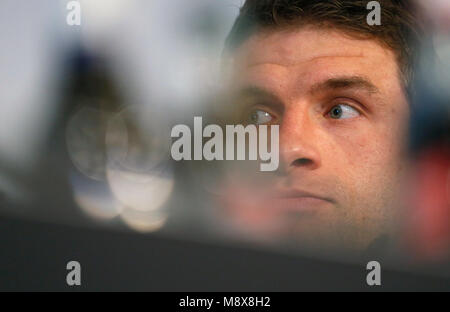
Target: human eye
(260, 117)
(343, 111)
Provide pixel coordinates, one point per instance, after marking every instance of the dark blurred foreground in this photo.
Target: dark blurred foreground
(34, 258)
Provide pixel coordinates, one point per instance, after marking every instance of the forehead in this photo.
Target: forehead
(312, 54)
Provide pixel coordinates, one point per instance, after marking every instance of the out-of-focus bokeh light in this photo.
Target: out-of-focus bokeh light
(140, 191)
(94, 198)
(123, 169)
(144, 221)
(85, 138)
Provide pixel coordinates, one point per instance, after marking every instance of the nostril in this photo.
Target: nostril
(301, 162)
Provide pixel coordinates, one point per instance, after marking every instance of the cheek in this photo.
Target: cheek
(375, 144)
(366, 159)
(354, 148)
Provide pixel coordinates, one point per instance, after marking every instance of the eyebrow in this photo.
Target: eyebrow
(256, 92)
(351, 82)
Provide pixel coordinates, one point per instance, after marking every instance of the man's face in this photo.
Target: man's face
(342, 113)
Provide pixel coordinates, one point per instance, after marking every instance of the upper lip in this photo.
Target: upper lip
(295, 193)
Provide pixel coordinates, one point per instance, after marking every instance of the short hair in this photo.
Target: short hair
(401, 27)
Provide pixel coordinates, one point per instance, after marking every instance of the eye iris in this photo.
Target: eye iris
(254, 117)
(258, 117)
(336, 112)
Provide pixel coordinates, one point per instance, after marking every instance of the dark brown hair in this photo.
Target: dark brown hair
(401, 28)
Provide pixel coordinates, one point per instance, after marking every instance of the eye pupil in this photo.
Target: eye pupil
(336, 112)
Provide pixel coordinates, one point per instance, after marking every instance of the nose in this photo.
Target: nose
(299, 142)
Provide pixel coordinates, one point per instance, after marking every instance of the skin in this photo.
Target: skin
(294, 78)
